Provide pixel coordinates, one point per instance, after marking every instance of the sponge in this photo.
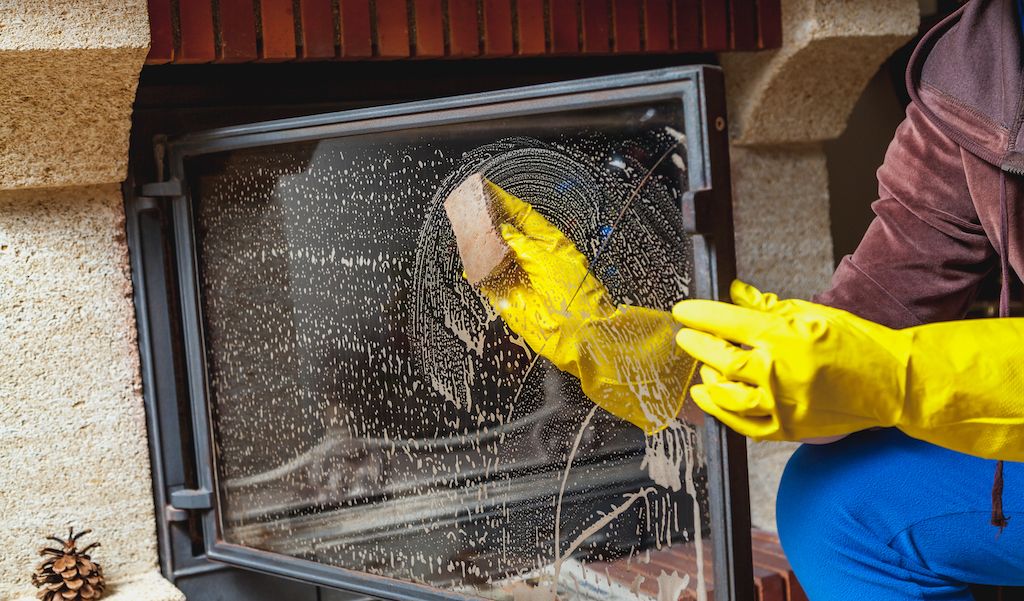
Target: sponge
(475, 219)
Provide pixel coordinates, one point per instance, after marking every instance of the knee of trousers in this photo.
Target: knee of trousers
(823, 511)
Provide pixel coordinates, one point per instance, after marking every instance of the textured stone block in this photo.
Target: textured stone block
(73, 445)
(68, 72)
(783, 244)
(781, 216)
(804, 91)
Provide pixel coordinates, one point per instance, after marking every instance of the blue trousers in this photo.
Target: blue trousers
(880, 516)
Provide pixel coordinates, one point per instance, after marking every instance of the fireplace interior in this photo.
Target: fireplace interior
(334, 408)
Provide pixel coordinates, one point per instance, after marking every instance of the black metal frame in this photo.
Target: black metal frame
(707, 215)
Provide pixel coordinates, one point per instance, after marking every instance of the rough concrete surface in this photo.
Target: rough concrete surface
(73, 445)
(783, 244)
(804, 91)
(770, 459)
(68, 72)
(73, 24)
(781, 216)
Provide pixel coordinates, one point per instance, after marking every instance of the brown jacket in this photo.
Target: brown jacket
(950, 189)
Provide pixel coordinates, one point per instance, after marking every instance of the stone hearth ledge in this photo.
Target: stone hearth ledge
(150, 586)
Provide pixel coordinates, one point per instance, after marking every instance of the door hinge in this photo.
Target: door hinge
(175, 515)
(167, 189)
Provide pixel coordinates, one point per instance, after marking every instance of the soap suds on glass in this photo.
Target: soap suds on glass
(362, 392)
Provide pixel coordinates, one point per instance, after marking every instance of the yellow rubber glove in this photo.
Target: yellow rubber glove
(806, 370)
(625, 356)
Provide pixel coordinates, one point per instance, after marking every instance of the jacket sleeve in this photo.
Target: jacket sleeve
(925, 253)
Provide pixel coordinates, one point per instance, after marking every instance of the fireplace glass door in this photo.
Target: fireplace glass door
(364, 419)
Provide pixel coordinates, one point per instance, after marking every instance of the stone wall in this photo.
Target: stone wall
(73, 448)
(783, 105)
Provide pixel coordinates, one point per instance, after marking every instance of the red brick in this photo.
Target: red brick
(769, 23)
(743, 24)
(392, 28)
(716, 26)
(595, 26)
(688, 25)
(161, 34)
(626, 23)
(497, 27)
(317, 28)
(530, 27)
(277, 21)
(237, 19)
(429, 28)
(356, 39)
(195, 18)
(463, 32)
(657, 24)
(565, 31)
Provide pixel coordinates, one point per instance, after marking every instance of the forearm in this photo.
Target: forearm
(965, 387)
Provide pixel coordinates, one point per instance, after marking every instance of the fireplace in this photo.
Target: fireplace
(330, 401)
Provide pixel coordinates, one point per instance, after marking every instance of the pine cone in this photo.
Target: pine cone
(67, 573)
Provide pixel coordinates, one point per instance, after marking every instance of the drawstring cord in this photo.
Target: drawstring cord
(999, 520)
(1004, 252)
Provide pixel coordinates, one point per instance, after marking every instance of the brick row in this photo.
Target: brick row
(285, 30)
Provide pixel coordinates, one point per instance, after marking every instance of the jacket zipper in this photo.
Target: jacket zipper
(1011, 169)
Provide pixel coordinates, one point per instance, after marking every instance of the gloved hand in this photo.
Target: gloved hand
(807, 370)
(624, 356)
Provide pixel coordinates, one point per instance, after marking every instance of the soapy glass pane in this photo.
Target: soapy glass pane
(370, 409)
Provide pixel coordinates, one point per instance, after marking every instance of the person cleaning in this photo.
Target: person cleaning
(919, 409)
